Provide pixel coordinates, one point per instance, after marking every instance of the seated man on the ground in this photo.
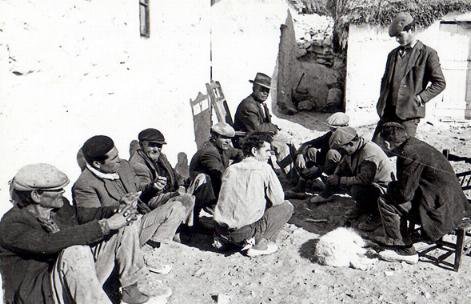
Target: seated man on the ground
(46, 256)
(152, 166)
(364, 170)
(315, 157)
(427, 192)
(212, 159)
(251, 209)
(252, 115)
(99, 190)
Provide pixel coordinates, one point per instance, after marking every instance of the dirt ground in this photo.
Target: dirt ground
(291, 275)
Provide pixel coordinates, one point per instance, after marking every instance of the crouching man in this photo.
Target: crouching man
(45, 257)
(427, 192)
(251, 209)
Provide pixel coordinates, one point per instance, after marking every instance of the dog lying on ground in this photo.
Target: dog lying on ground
(343, 247)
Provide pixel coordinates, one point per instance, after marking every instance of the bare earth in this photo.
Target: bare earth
(201, 275)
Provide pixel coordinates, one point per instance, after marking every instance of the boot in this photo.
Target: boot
(132, 295)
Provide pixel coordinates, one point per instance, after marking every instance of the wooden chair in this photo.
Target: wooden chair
(202, 121)
(462, 244)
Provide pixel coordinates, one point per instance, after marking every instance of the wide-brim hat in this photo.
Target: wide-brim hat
(399, 22)
(263, 80)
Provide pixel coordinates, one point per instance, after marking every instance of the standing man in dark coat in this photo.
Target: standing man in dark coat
(253, 115)
(44, 253)
(412, 77)
(211, 160)
(427, 190)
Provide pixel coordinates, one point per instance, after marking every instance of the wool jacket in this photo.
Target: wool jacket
(426, 178)
(97, 198)
(213, 161)
(250, 117)
(423, 68)
(28, 251)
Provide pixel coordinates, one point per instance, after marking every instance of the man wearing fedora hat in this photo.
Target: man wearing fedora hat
(47, 257)
(253, 114)
(211, 160)
(412, 77)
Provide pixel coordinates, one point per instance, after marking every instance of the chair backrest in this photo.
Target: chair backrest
(465, 176)
(219, 103)
(201, 111)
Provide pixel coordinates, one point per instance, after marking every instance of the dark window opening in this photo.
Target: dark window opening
(144, 18)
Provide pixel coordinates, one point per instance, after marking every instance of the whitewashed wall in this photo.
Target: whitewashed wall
(87, 71)
(368, 47)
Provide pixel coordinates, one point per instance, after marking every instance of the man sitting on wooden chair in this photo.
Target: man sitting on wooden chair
(426, 192)
(253, 115)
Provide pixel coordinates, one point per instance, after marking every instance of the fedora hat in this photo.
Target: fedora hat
(263, 80)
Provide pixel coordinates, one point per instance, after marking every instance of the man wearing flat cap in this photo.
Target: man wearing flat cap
(427, 192)
(211, 160)
(315, 157)
(412, 77)
(252, 115)
(364, 170)
(151, 166)
(107, 180)
(47, 257)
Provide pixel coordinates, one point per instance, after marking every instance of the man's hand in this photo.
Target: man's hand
(118, 220)
(333, 180)
(129, 199)
(160, 183)
(311, 154)
(300, 161)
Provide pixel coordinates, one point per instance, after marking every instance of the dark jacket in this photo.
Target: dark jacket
(147, 171)
(426, 178)
(422, 68)
(213, 162)
(97, 198)
(321, 143)
(249, 117)
(28, 251)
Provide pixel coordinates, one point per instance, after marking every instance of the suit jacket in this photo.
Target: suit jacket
(422, 68)
(28, 251)
(426, 178)
(97, 198)
(147, 172)
(213, 162)
(249, 117)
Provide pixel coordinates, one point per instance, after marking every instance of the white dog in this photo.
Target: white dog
(343, 247)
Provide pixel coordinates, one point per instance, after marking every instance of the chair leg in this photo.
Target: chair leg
(459, 248)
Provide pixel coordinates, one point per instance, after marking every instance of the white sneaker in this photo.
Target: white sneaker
(271, 248)
(393, 256)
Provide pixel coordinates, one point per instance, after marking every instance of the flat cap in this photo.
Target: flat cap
(338, 119)
(393, 131)
(39, 176)
(151, 135)
(223, 129)
(342, 136)
(97, 146)
(399, 22)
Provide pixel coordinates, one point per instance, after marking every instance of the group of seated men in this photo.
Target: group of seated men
(54, 252)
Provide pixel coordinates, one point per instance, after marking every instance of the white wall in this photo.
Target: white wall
(368, 47)
(92, 73)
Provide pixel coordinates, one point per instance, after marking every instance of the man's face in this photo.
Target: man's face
(261, 93)
(152, 149)
(222, 142)
(263, 153)
(405, 37)
(50, 198)
(348, 148)
(111, 163)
